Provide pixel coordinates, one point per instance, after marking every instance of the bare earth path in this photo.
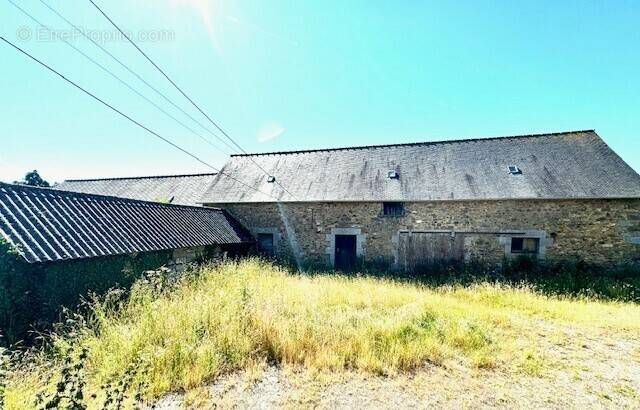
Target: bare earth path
(581, 368)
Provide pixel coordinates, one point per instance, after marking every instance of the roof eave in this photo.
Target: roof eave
(221, 203)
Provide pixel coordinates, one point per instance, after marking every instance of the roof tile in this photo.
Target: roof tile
(51, 225)
(174, 189)
(554, 166)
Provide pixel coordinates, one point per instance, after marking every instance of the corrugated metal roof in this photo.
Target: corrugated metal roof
(174, 189)
(574, 164)
(51, 225)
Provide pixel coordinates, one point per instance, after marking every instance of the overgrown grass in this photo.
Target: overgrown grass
(218, 319)
(617, 282)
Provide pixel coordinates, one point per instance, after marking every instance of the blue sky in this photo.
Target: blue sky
(281, 75)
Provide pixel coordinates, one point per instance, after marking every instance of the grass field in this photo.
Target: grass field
(250, 316)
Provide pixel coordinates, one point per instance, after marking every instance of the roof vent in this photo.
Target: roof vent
(271, 179)
(392, 174)
(514, 170)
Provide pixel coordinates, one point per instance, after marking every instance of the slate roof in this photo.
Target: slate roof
(575, 164)
(51, 225)
(174, 189)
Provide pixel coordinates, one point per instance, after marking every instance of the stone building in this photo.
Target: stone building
(552, 196)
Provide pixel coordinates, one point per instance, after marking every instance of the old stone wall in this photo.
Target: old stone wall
(599, 231)
(182, 258)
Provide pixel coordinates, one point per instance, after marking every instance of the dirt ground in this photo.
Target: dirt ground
(594, 369)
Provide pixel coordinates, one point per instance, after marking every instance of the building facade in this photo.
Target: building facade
(553, 197)
(594, 230)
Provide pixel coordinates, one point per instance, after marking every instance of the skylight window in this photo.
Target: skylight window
(271, 179)
(392, 174)
(514, 170)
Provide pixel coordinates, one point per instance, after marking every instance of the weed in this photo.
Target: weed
(532, 363)
(625, 390)
(117, 392)
(4, 368)
(69, 389)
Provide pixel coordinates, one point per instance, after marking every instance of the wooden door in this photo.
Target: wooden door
(421, 249)
(345, 252)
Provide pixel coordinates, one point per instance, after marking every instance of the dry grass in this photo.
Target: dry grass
(237, 316)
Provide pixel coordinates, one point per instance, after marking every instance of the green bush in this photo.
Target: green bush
(32, 296)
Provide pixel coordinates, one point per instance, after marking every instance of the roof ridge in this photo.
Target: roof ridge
(98, 196)
(408, 144)
(141, 177)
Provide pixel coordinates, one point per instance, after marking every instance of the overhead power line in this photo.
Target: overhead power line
(186, 96)
(139, 77)
(112, 74)
(130, 118)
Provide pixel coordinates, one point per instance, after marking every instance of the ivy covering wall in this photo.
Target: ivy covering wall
(32, 296)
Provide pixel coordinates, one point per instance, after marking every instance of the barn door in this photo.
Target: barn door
(345, 253)
(418, 250)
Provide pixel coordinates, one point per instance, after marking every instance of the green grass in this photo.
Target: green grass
(234, 316)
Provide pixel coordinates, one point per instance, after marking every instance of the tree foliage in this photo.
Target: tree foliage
(33, 178)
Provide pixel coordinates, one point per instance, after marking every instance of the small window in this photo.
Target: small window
(266, 243)
(393, 209)
(529, 246)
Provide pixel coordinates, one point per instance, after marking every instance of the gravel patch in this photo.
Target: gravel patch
(594, 370)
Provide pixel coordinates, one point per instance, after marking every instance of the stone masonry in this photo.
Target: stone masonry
(598, 230)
